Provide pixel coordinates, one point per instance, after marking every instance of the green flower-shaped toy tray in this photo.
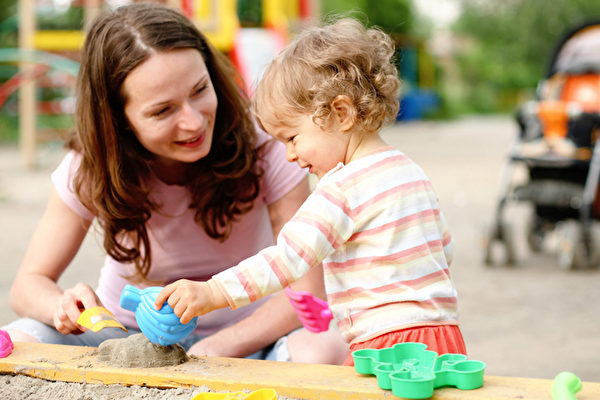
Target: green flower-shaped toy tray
(411, 371)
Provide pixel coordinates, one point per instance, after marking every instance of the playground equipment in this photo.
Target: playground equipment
(35, 62)
(249, 48)
(416, 68)
(48, 70)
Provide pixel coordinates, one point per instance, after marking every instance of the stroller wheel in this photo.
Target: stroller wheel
(572, 253)
(536, 241)
(536, 234)
(499, 246)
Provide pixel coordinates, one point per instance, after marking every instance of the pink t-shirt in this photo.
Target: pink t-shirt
(180, 247)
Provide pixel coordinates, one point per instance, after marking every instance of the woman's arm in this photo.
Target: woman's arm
(35, 293)
(276, 317)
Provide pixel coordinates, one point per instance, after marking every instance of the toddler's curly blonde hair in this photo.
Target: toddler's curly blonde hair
(343, 58)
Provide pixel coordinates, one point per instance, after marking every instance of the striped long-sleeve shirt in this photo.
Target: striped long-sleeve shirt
(376, 226)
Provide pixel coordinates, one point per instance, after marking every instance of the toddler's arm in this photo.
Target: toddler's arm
(189, 299)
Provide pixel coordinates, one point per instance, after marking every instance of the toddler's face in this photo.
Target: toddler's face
(311, 146)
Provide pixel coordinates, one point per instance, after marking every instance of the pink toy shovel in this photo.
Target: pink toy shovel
(6, 345)
(313, 312)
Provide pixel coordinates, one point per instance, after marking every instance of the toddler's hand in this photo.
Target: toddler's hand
(189, 299)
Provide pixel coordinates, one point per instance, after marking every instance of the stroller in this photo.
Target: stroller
(557, 144)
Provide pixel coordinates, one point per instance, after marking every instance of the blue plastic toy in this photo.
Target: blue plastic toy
(160, 326)
(412, 372)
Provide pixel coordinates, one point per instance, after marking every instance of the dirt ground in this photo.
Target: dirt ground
(534, 320)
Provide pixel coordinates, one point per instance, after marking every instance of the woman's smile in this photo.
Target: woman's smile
(191, 143)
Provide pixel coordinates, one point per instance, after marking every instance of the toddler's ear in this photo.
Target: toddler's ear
(345, 112)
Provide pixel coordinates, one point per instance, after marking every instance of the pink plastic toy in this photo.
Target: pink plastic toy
(313, 312)
(6, 345)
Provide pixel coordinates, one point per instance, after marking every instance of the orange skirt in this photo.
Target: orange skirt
(441, 339)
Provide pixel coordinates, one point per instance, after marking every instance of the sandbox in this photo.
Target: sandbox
(80, 375)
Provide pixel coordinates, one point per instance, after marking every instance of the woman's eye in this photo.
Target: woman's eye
(200, 89)
(161, 112)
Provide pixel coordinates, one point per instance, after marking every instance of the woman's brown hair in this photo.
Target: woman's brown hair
(112, 179)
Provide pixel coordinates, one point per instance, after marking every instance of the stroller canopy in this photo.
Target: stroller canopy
(578, 51)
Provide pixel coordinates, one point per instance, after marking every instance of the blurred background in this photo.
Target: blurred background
(456, 57)
(479, 112)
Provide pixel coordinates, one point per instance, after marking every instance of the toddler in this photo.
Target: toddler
(373, 220)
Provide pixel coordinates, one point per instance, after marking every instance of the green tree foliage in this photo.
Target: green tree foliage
(393, 16)
(8, 39)
(68, 18)
(8, 23)
(511, 42)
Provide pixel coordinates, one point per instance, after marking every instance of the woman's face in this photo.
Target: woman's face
(171, 106)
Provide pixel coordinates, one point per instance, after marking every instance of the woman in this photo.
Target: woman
(169, 161)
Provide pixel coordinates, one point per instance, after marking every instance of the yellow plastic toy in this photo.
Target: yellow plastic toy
(97, 318)
(261, 394)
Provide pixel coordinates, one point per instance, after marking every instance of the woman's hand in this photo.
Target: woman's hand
(70, 305)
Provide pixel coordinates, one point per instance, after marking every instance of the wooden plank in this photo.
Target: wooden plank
(305, 381)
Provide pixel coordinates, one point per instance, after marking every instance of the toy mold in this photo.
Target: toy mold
(160, 326)
(313, 312)
(412, 372)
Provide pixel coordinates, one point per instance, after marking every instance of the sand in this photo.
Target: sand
(22, 387)
(136, 351)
